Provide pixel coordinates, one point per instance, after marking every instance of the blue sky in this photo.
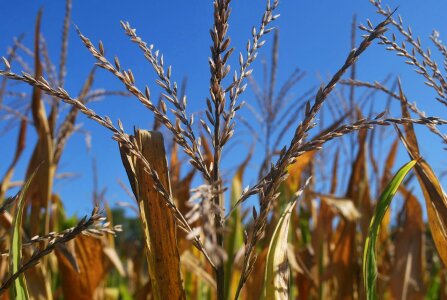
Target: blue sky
(314, 36)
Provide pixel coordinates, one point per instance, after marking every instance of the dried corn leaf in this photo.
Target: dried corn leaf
(82, 285)
(344, 206)
(294, 181)
(162, 251)
(435, 197)
(114, 259)
(208, 153)
(344, 268)
(436, 203)
(253, 288)
(180, 186)
(40, 191)
(4, 185)
(68, 125)
(322, 234)
(175, 165)
(287, 190)
(407, 276)
(68, 251)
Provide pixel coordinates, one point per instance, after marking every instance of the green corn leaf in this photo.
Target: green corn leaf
(18, 290)
(369, 255)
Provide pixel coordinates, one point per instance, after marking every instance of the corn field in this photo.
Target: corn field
(326, 213)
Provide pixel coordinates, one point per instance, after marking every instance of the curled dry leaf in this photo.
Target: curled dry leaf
(344, 206)
(435, 197)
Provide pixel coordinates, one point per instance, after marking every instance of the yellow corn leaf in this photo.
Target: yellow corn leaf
(293, 182)
(276, 279)
(193, 265)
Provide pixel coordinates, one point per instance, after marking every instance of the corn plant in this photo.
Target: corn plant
(301, 239)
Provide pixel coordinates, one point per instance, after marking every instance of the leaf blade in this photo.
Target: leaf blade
(18, 289)
(369, 257)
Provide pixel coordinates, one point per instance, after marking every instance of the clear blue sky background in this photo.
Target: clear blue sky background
(314, 36)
